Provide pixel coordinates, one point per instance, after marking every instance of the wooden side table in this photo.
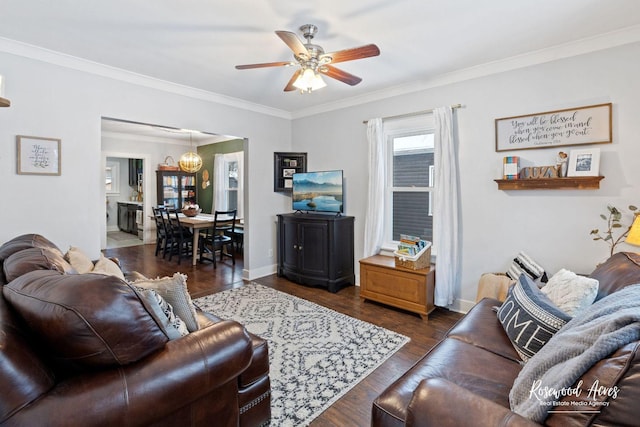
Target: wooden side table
(382, 281)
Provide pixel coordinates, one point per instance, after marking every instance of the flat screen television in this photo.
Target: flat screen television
(318, 191)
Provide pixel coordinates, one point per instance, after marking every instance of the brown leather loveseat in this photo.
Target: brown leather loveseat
(86, 350)
(466, 379)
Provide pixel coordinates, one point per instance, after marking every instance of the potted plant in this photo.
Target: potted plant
(614, 226)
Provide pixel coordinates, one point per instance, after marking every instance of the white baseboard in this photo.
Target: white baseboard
(461, 306)
(259, 272)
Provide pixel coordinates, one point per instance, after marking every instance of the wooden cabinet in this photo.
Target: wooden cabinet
(316, 250)
(175, 188)
(284, 166)
(382, 281)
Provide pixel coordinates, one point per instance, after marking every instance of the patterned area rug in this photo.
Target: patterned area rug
(316, 354)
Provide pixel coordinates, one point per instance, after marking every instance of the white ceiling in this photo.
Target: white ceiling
(196, 43)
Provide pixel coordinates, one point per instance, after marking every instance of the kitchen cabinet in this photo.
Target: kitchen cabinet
(127, 217)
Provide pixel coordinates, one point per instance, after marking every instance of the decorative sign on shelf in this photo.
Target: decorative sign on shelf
(572, 126)
(539, 172)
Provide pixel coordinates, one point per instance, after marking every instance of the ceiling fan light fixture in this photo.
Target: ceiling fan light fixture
(309, 81)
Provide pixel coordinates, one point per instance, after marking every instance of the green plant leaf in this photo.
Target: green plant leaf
(616, 225)
(632, 208)
(603, 217)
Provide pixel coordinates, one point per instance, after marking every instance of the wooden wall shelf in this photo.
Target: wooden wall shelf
(568, 183)
(4, 102)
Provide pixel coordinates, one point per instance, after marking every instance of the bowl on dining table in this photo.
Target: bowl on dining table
(191, 212)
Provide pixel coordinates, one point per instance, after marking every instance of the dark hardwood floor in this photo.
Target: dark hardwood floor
(354, 408)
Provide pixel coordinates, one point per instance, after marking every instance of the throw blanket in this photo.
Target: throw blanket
(592, 335)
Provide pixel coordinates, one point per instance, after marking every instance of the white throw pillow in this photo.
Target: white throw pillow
(107, 267)
(79, 260)
(174, 291)
(570, 292)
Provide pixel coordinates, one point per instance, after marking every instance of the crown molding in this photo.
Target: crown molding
(609, 40)
(579, 47)
(68, 61)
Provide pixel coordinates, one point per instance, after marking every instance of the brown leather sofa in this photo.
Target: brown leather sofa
(465, 380)
(128, 373)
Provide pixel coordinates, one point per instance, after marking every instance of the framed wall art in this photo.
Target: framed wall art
(584, 162)
(38, 156)
(572, 126)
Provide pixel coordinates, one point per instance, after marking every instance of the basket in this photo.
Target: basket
(416, 262)
(166, 166)
(191, 212)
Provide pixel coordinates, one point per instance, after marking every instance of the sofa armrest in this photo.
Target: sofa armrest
(146, 391)
(438, 402)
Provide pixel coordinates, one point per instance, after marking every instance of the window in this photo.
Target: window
(231, 174)
(410, 180)
(112, 175)
(228, 187)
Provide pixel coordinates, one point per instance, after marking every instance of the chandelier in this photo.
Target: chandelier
(190, 161)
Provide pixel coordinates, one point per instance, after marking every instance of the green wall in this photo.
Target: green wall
(207, 152)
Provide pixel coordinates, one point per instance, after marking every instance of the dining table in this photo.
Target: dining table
(203, 221)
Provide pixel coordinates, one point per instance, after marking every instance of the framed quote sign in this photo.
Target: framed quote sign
(38, 156)
(572, 126)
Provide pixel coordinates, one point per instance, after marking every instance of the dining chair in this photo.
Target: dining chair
(161, 229)
(215, 239)
(181, 238)
(237, 235)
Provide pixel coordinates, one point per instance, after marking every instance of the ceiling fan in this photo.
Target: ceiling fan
(313, 61)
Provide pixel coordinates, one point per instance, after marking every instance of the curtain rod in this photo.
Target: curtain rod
(416, 113)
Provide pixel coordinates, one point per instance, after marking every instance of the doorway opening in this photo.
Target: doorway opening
(124, 141)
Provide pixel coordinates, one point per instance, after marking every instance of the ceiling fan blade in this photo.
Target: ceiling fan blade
(293, 42)
(263, 65)
(338, 74)
(289, 87)
(353, 53)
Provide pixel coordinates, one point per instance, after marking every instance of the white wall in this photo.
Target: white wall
(123, 194)
(60, 102)
(552, 226)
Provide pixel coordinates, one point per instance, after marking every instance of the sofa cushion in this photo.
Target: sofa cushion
(529, 318)
(24, 376)
(620, 270)
(480, 327)
(31, 259)
(569, 292)
(174, 290)
(79, 260)
(86, 320)
(24, 241)
(171, 324)
(473, 368)
(105, 266)
(524, 264)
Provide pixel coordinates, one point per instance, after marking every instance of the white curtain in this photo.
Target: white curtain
(219, 184)
(221, 181)
(239, 158)
(374, 220)
(446, 206)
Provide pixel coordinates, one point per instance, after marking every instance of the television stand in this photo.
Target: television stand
(316, 250)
